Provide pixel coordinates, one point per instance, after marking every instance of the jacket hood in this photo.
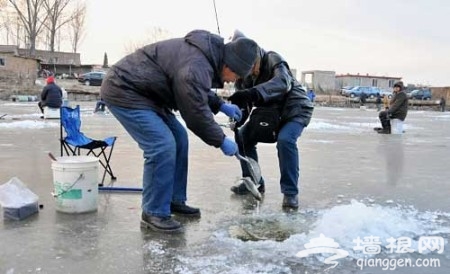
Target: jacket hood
(211, 45)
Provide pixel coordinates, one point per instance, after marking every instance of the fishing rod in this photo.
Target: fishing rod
(217, 18)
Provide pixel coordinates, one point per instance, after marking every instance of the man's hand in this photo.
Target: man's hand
(231, 111)
(229, 147)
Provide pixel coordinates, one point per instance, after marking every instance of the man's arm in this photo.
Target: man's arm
(278, 86)
(191, 89)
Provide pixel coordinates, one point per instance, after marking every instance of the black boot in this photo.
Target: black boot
(386, 130)
(181, 208)
(290, 201)
(163, 224)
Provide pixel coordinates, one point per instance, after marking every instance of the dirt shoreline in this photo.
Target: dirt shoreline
(79, 92)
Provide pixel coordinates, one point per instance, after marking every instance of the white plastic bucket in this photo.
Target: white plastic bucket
(396, 126)
(75, 180)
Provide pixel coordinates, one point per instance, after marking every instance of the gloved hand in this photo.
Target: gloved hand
(229, 147)
(231, 111)
(244, 97)
(245, 115)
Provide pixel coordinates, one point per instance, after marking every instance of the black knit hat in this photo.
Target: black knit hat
(240, 56)
(399, 84)
(237, 34)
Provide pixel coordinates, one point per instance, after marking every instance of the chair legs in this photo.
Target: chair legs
(102, 154)
(104, 161)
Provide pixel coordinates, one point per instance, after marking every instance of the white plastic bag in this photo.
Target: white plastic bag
(17, 200)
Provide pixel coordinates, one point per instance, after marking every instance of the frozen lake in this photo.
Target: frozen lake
(368, 201)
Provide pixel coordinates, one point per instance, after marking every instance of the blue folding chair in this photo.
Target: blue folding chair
(74, 140)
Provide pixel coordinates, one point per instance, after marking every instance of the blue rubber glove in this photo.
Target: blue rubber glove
(229, 147)
(231, 111)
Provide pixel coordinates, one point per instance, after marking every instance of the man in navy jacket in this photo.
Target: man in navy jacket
(144, 88)
(51, 95)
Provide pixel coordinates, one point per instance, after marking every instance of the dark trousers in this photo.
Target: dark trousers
(41, 106)
(288, 155)
(384, 119)
(100, 106)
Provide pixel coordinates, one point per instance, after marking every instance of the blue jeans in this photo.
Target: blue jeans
(164, 141)
(288, 155)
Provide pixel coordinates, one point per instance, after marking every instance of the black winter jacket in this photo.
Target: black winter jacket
(277, 88)
(51, 96)
(399, 106)
(175, 74)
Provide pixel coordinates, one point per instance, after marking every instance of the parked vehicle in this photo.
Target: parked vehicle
(92, 78)
(420, 94)
(344, 89)
(371, 92)
(389, 94)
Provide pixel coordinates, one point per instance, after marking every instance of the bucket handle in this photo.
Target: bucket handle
(70, 187)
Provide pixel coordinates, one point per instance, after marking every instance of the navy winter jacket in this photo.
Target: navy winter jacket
(175, 74)
(51, 96)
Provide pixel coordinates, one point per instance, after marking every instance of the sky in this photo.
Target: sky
(400, 38)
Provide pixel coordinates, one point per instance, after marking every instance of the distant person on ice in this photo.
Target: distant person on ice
(144, 88)
(398, 109)
(51, 96)
(378, 101)
(311, 95)
(442, 104)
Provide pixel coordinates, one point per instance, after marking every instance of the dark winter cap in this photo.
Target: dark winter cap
(399, 84)
(237, 34)
(240, 56)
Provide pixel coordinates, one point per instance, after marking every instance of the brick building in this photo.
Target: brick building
(16, 70)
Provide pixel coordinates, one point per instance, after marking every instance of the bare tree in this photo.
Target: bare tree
(11, 28)
(4, 23)
(77, 26)
(57, 17)
(33, 15)
(3, 4)
(154, 35)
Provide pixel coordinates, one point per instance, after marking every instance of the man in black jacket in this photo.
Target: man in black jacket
(272, 85)
(144, 88)
(398, 109)
(51, 95)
